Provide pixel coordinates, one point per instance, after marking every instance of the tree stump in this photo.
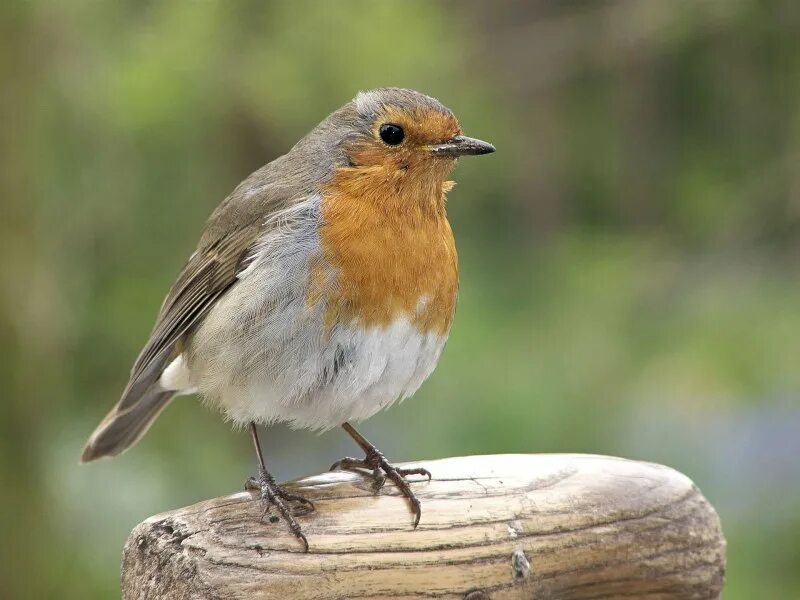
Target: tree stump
(508, 526)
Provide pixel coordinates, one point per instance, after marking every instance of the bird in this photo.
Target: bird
(321, 291)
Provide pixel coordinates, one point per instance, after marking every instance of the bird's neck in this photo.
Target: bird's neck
(407, 194)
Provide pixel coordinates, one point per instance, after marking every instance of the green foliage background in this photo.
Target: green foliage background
(630, 274)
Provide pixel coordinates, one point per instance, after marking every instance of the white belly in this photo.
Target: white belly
(354, 376)
(316, 384)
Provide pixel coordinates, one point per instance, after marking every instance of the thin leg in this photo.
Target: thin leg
(273, 494)
(374, 461)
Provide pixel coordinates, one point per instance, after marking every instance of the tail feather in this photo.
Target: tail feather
(122, 428)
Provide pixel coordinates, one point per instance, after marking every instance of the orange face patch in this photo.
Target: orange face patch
(386, 233)
(423, 127)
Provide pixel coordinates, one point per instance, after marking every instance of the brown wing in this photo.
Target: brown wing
(229, 236)
(207, 275)
(221, 255)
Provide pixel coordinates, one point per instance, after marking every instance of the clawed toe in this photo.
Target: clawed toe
(398, 478)
(274, 495)
(375, 463)
(270, 491)
(416, 471)
(306, 505)
(350, 464)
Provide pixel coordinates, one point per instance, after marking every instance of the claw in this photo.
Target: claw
(274, 495)
(398, 477)
(416, 471)
(308, 504)
(302, 538)
(351, 464)
(381, 470)
(416, 507)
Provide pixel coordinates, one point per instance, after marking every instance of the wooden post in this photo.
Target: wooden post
(508, 526)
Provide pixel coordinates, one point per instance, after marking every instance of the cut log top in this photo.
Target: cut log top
(508, 526)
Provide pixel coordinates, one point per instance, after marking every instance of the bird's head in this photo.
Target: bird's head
(392, 142)
(399, 129)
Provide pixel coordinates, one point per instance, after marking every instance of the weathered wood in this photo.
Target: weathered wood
(510, 526)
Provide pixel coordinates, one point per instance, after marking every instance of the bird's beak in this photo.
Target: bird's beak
(461, 145)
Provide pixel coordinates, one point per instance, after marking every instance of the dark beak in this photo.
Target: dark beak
(461, 145)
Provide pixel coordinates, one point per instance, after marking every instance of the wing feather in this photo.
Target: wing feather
(207, 275)
(224, 251)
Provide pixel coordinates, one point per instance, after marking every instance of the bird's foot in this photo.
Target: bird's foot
(380, 469)
(274, 495)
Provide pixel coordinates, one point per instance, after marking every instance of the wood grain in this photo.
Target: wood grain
(508, 526)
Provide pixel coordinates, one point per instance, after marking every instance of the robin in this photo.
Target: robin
(322, 289)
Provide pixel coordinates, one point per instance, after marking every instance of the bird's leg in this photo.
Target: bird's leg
(374, 461)
(273, 494)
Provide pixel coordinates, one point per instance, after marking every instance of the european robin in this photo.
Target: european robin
(322, 289)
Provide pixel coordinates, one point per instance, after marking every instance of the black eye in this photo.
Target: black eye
(391, 134)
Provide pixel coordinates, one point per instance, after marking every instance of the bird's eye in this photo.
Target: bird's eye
(391, 134)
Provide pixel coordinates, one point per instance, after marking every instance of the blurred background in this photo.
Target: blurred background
(630, 256)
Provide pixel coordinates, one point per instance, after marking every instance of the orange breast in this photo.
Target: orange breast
(387, 238)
